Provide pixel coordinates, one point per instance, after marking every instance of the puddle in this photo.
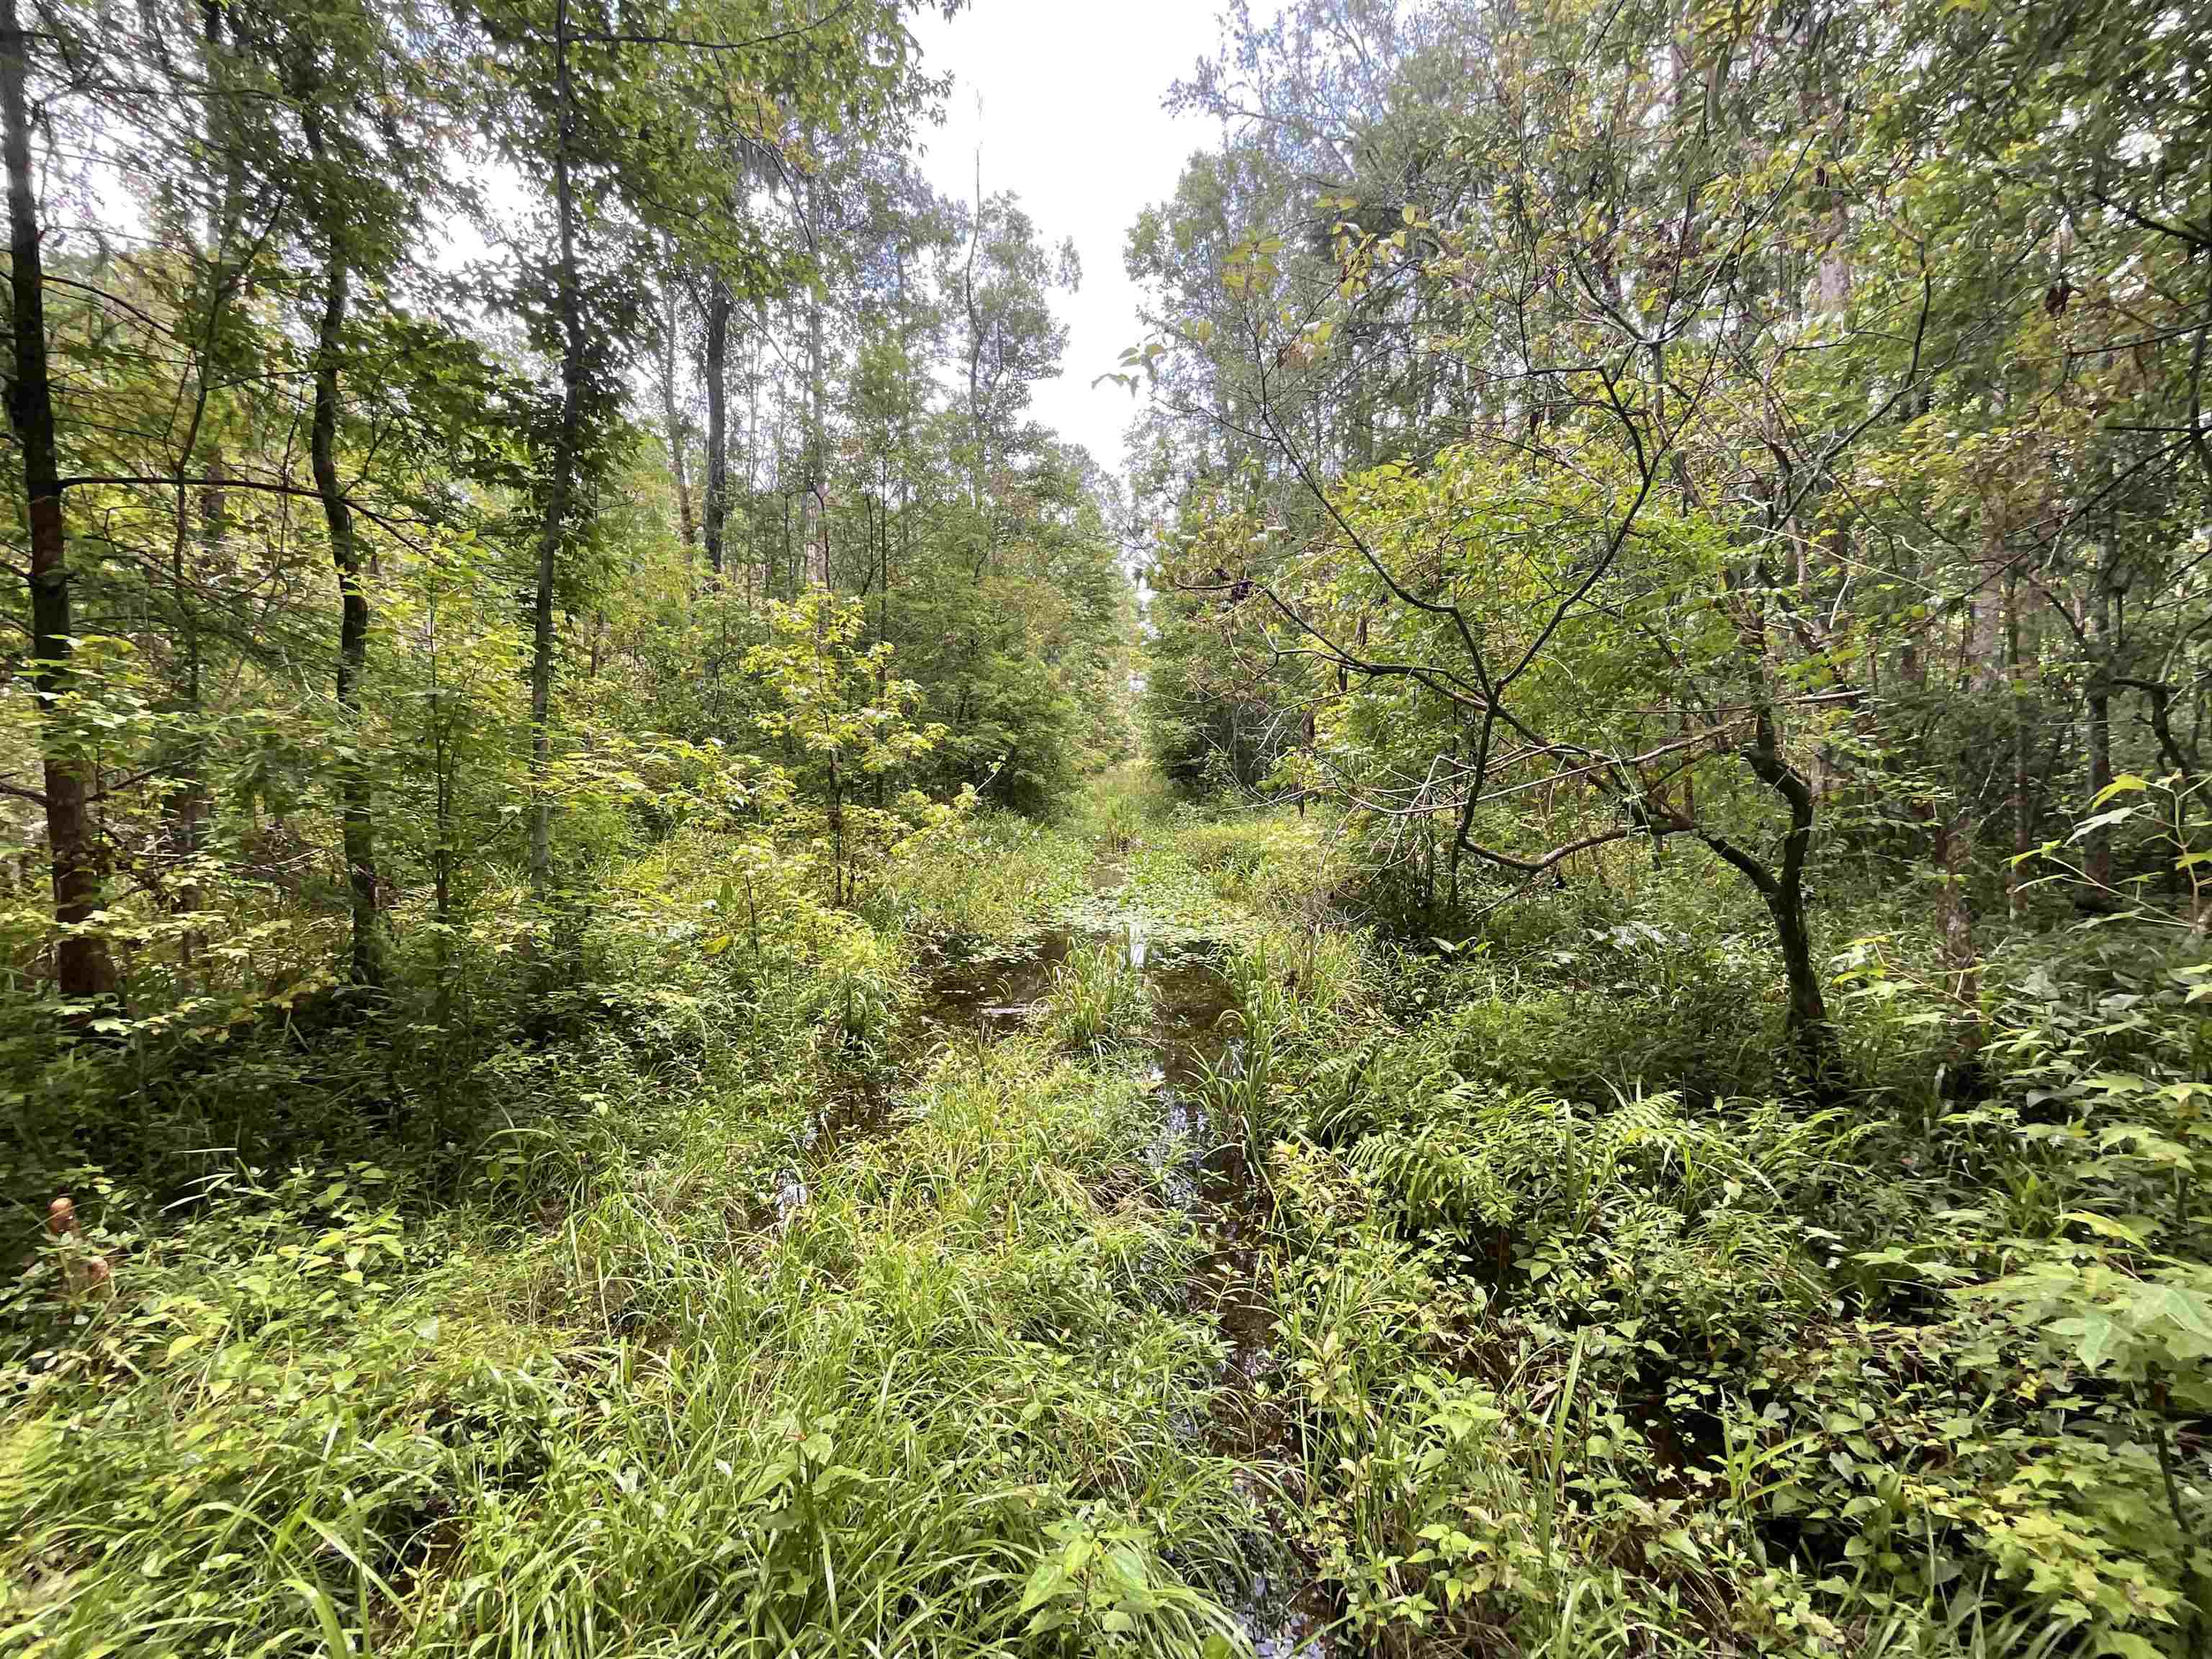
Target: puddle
(983, 990)
(1202, 1168)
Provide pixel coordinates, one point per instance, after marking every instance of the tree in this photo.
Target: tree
(363, 170)
(82, 969)
(834, 700)
(1011, 340)
(583, 86)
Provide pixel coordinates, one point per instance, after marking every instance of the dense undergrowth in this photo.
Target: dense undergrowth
(1595, 1336)
(765, 1316)
(763, 1322)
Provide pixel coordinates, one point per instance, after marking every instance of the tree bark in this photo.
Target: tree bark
(1812, 1037)
(357, 821)
(82, 967)
(561, 485)
(718, 452)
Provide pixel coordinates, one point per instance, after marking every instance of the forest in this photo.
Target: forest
(673, 981)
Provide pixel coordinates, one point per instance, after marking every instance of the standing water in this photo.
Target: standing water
(1205, 1173)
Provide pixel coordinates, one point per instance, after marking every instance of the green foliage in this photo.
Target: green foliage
(1241, 1089)
(655, 1345)
(1098, 999)
(985, 875)
(1125, 805)
(833, 703)
(1667, 888)
(1580, 1348)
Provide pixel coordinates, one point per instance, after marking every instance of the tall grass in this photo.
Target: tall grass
(985, 876)
(661, 1372)
(942, 1406)
(1121, 807)
(1098, 999)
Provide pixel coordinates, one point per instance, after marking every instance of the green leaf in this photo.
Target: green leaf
(2126, 784)
(2105, 1227)
(1044, 1584)
(2098, 1337)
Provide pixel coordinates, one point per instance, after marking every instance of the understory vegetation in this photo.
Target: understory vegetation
(1598, 1335)
(748, 1304)
(672, 984)
(725, 1315)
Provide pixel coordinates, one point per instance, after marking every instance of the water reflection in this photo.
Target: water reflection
(1202, 1171)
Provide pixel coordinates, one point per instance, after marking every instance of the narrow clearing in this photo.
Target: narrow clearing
(1203, 1169)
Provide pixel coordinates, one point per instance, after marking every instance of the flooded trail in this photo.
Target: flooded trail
(983, 992)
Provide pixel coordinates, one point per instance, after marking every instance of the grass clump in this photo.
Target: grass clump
(984, 876)
(938, 1410)
(1098, 999)
(1121, 807)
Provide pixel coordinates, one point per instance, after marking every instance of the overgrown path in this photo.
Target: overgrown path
(881, 1279)
(1129, 978)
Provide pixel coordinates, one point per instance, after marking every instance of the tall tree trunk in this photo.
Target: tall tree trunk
(561, 486)
(2023, 735)
(718, 449)
(357, 820)
(2098, 860)
(82, 968)
(674, 421)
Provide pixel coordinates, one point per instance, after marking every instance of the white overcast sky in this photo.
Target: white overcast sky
(1071, 122)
